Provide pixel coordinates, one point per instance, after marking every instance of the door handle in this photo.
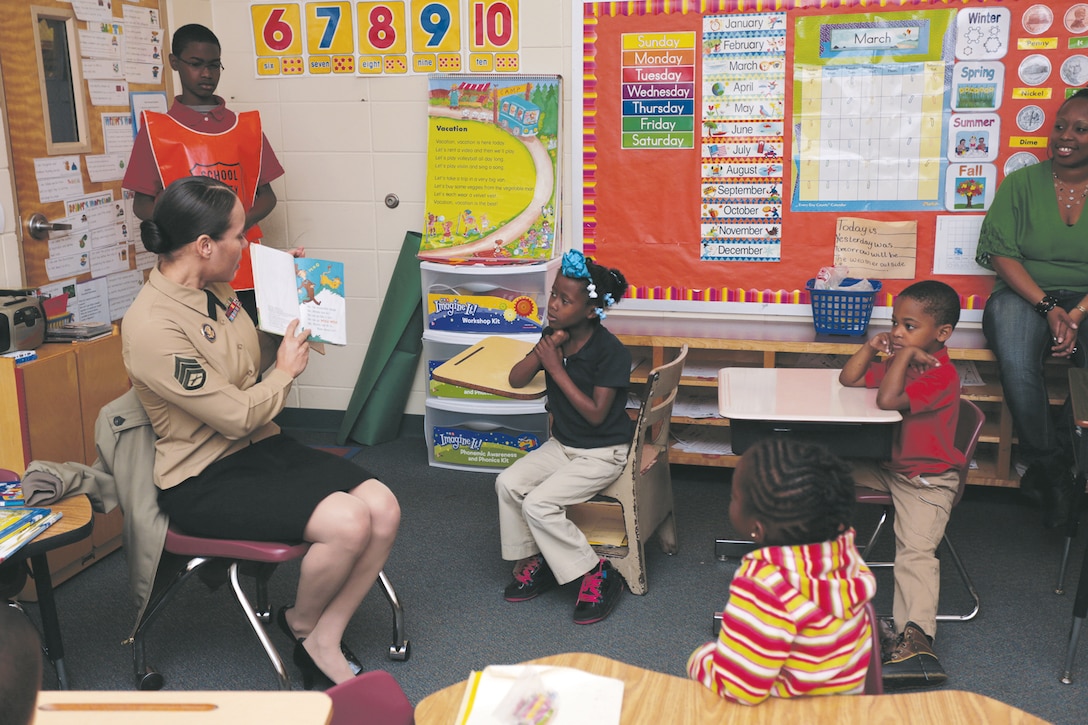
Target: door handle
(39, 227)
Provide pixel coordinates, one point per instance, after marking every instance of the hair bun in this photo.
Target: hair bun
(152, 236)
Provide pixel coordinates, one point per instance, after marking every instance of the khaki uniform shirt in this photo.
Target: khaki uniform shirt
(197, 376)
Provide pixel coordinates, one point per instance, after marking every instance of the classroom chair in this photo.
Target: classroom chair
(1078, 395)
(643, 491)
(967, 434)
(874, 676)
(259, 558)
(372, 697)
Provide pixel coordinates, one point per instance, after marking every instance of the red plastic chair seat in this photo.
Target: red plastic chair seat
(267, 552)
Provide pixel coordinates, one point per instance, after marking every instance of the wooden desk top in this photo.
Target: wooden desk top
(811, 395)
(651, 698)
(74, 525)
(122, 707)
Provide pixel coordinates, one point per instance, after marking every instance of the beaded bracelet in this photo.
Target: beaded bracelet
(1046, 304)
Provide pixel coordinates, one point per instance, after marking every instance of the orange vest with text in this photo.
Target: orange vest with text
(233, 157)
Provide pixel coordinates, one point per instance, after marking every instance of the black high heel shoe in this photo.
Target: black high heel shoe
(353, 661)
(311, 673)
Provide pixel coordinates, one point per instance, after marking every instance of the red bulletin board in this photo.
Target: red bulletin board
(647, 204)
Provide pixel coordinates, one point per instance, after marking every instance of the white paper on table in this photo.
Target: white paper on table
(581, 697)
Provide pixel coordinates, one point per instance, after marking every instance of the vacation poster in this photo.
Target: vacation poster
(492, 169)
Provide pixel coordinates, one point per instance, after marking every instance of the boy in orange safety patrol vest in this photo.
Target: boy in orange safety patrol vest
(200, 137)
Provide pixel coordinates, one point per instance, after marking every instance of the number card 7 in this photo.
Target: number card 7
(329, 28)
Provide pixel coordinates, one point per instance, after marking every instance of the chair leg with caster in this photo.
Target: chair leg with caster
(400, 650)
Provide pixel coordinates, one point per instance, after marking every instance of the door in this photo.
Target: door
(52, 118)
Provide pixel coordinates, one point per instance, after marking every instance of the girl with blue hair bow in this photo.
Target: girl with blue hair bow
(587, 371)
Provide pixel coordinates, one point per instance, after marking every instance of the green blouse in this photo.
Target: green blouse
(1024, 224)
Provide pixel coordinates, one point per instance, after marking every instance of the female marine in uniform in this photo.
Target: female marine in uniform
(212, 384)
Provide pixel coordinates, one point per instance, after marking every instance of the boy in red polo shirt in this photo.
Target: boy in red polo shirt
(916, 378)
(200, 137)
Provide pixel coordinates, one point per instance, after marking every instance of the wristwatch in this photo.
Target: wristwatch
(1046, 304)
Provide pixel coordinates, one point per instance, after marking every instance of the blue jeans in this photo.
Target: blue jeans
(1020, 338)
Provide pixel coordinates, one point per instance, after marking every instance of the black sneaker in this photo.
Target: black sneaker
(912, 662)
(599, 594)
(532, 577)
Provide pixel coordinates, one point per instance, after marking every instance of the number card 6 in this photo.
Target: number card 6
(277, 29)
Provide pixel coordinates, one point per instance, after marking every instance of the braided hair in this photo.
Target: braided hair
(801, 491)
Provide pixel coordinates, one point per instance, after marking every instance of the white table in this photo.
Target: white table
(803, 403)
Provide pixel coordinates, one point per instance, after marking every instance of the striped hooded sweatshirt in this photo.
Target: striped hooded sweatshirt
(794, 625)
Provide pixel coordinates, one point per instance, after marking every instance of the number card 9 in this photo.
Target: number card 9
(382, 27)
(329, 28)
(277, 29)
(436, 27)
(493, 25)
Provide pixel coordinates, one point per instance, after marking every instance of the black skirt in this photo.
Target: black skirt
(265, 492)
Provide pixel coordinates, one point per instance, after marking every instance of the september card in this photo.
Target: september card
(311, 290)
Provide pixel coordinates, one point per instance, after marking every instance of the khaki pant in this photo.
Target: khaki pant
(534, 494)
(922, 507)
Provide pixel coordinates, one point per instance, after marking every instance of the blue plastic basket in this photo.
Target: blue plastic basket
(841, 311)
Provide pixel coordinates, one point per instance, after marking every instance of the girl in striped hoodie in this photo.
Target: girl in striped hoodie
(795, 622)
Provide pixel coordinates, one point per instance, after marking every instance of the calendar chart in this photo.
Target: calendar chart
(869, 136)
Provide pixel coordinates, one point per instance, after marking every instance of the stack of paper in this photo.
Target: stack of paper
(77, 331)
(571, 696)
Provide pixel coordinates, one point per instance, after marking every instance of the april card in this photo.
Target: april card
(310, 290)
(493, 151)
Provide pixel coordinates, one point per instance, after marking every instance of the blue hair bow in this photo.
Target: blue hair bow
(574, 265)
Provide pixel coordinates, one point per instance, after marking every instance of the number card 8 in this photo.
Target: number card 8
(277, 29)
(382, 27)
(329, 28)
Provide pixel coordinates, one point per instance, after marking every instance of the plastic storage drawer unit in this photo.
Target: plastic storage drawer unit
(487, 300)
(483, 436)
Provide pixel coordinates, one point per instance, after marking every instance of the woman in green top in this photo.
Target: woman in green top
(1036, 239)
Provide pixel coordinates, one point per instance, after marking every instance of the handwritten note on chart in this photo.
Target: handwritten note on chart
(870, 248)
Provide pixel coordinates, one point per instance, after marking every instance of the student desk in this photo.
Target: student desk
(806, 404)
(770, 342)
(651, 697)
(184, 708)
(75, 525)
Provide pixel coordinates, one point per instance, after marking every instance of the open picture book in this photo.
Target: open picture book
(311, 290)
